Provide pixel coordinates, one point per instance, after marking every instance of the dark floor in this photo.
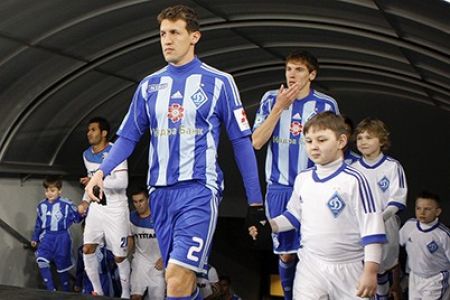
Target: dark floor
(13, 293)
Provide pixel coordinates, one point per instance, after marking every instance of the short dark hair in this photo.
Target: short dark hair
(375, 127)
(181, 12)
(327, 120)
(225, 278)
(103, 124)
(429, 195)
(52, 181)
(139, 190)
(305, 57)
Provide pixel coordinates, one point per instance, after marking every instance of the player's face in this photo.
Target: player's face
(368, 144)
(52, 193)
(323, 146)
(427, 210)
(177, 42)
(94, 134)
(140, 202)
(297, 72)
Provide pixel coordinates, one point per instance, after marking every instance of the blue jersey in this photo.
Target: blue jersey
(286, 152)
(54, 217)
(350, 157)
(184, 107)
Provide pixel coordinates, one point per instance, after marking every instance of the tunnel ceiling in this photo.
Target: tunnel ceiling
(63, 62)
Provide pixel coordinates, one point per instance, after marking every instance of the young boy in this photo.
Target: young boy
(340, 224)
(51, 236)
(427, 243)
(388, 183)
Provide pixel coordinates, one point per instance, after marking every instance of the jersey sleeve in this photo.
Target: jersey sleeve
(264, 109)
(231, 111)
(294, 208)
(118, 179)
(370, 219)
(399, 189)
(213, 277)
(37, 226)
(136, 120)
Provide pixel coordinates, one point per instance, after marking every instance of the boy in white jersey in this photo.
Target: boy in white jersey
(427, 243)
(388, 183)
(147, 271)
(278, 123)
(108, 222)
(184, 106)
(341, 228)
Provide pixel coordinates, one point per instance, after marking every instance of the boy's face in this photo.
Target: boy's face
(177, 42)
(297, 72)
(94, 134)
(368, 144)
(140, 202)
(427, 210)
(52, 193)
(322, 145)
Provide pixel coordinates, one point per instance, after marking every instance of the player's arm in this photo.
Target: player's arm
(397, 193)
(264, 131)
(37, 229)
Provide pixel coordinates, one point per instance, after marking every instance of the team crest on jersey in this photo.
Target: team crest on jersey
(241, 118)
(296, 128)
(384, 184)
(336, 205)
(432, 247)
(199, 97)
(156, 87)
(176, 112)
(58, 215)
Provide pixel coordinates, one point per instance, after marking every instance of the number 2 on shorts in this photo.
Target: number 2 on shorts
(195, 249)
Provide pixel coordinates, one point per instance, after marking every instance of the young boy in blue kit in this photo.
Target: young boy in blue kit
(55, 215)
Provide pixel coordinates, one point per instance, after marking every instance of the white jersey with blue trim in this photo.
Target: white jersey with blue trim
(286, 152)
(115, 184)
(387, 180)
(338, 214)
(428, 247)
(184, 108)
(146, 244)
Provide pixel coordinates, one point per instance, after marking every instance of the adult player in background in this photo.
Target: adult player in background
(184, 105)
(278, 123)
(147, 270)
(108, 222)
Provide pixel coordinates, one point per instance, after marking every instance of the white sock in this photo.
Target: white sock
(91, 266)
(124, 274)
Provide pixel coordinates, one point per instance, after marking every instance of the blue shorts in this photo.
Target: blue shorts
(57, 248)
(185, 218)
(277, 198)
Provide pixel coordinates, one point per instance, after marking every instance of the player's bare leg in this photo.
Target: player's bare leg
(181, 282)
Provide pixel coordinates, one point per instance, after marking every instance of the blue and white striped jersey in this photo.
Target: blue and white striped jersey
(286, 152)
(428, 247)
(184, 108)
(54, 217)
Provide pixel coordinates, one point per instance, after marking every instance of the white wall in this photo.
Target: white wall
(18, 201)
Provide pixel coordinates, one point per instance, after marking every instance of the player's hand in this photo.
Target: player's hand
(84, 180)
(83, 207)
(287, 96)
(33, 244)
(76, 289)
(96, 180)
(367, 285)
(159, 264)
(253, 232)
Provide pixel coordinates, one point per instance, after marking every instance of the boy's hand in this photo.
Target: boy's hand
(367, 285)
(256, 218)
(82, 207)
(159, 264)
(33, 244)
(253, 232)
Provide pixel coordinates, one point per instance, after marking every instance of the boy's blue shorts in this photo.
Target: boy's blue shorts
(57, 248)
(277, 198)
(185, 217)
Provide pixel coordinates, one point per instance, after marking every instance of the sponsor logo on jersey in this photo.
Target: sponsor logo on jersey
(336, 205)
(177, 95)
(156, 87)
(176, 112)
(432, 247)
(384, 184)
(296, 128)
(199, 97)
(241, 118)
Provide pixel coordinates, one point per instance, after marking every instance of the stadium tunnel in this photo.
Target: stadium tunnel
(63, 62)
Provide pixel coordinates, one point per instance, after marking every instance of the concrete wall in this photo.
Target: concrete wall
(18, 201)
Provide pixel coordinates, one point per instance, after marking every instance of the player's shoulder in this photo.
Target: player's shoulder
(134, 217)
(154, 75)
(65, 200)
(42, 202)
(392, 161)
(269, 95)
(444, 229)
(323, 97)
(352, 171)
